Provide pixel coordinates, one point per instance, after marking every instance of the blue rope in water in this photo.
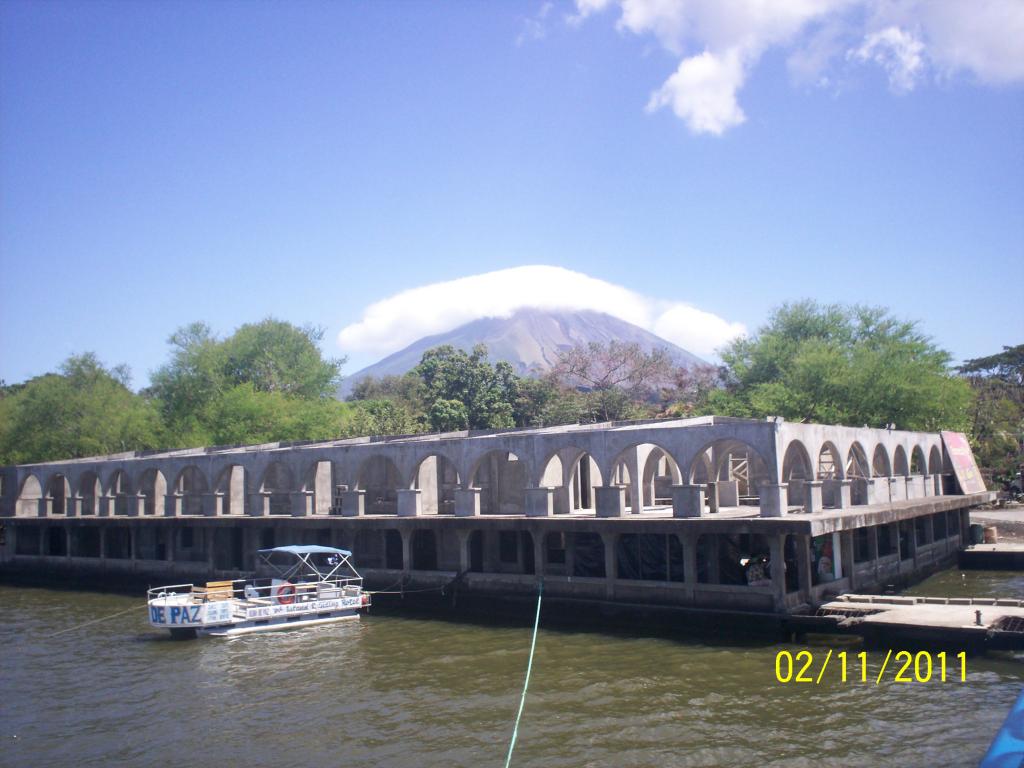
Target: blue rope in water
(526, 682)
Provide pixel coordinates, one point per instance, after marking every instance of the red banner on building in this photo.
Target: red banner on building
(964, 466)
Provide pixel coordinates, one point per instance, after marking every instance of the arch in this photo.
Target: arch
(660, 473)
(935, 461)
(880, 465)
(918, 464)
(229, 490)
(318, 479)
(630, 469)
(900, 465)
(90, 489)
(278, 483)
(57, 492)
(732, 461)
(436, 478)
(584, 476)
(857, 463)
(797, 470)
(118, 489)
(28, 497)
(153, 489)
(501, 478)
(379, 477)
(191, 485)
(830, 463)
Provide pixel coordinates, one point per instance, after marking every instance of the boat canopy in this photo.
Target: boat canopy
(306, 549)
(302, 561)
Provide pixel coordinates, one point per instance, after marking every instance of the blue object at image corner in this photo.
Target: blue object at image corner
(1007, 750)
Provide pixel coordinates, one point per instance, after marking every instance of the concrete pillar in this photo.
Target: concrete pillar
(539, 550)
(610, 541)
(462, 536)
(846, 548)
(774, 500)
(837, 493)
(812, 496)
(712, 497)
(103, 542)
(611, 500)
(563, 500)
(212, 504)
(711, 554)
(728, 493)
(687, 500)
(937, 483)
(301, 503)
(73, 506)
(137, 504)
(689, 542)
(105, 507)
(133, 542)
(353, 503)
(172, 504)
(540, 502)
(776, 550)
(803, 566)
(170, 535)
(636, 487)
(410, 502)
(406, 549)
(467, 502)
(872, 493)
(927, 486)
(259, 504)
(898, 488)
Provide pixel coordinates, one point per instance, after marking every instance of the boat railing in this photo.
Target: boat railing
(252, 592)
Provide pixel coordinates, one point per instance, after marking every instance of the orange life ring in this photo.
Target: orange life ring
(285, 593)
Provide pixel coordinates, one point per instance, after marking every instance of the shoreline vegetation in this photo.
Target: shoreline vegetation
(269, 381)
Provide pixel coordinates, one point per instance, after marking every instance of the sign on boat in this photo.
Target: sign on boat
(294, 586)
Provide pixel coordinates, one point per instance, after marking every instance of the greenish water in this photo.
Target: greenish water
(393, 691)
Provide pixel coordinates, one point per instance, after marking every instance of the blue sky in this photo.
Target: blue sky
(162, 163)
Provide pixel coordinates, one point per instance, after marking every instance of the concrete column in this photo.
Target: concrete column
(812, 496)
(803, 566)
(711, 555)
(463, 538)
(774, 500)
(927, 486)
(776, 550)
(871, 490)
(73, 506)
(937, 483)
(898, 488)
(103, 542)
(540, 502)
(137, 504)
(846, 547)
(212, 504)
(259, 504)
(687, 500)
(611, 500)
(410, 502)
(728, 493)
(406, 550)
(467, 502)
(353, 503)
(837, 493)
(563, 500)
(133, 541)
(712, 497)
(539, 550)
(301, 503)
(172, 504)
(636, 487)
(610, 562)
(170, 534)
(689, 542)
(105, 507)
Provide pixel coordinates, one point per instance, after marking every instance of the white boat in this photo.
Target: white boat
(294, 586)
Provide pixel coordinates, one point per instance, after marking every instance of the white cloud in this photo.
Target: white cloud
(535, 27)
(392, 323)
(909, 38)
(702, 92)
(896, 51)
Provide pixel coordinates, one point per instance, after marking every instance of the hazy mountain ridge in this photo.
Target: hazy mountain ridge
(530, 340)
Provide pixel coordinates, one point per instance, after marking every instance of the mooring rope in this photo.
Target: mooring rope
(94, 621)
(526, 682)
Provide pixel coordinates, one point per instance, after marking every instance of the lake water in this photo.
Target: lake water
(397, 691)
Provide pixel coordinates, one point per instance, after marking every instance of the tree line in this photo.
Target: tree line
(269, 381)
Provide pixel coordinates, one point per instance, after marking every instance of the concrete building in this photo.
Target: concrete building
(693, 513)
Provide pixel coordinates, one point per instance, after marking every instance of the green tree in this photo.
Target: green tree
(997, 416)
(840, 365)
(85, 410)
(487, 393)
(259, 384)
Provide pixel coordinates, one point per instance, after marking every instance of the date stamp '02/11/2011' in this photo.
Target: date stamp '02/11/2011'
(898, 666)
